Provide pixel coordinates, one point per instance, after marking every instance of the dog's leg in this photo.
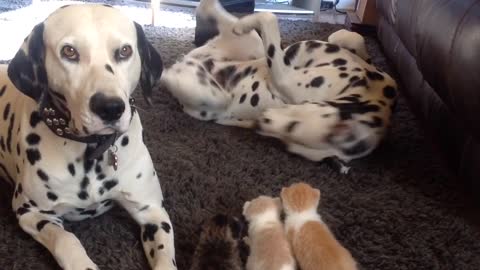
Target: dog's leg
(279, 62)
(351, 41)
(226, 45)
(144, 201)
(48, 230)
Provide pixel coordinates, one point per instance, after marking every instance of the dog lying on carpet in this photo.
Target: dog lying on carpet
(70, 142)
(322, 99)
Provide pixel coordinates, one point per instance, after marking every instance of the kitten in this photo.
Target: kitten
(269, 248)
(218, 247)
(313, 244)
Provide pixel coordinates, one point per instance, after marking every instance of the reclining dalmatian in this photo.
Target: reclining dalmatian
(70, 138)
(322, 99)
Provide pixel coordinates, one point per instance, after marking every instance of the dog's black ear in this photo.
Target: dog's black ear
(27, 68)
(152, 65)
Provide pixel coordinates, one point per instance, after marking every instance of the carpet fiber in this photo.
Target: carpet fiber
(397, 209)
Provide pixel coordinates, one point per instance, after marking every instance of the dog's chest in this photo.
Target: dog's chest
(58, 176)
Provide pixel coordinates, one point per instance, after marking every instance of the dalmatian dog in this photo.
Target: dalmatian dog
(70, 138)
(322, 99)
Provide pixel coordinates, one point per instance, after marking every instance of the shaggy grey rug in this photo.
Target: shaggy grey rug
(397, 209)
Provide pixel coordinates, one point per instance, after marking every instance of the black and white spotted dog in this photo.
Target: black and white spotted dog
(70, 140)
(323, 99)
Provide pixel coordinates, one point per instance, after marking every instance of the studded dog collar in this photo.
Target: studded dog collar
(55, 114)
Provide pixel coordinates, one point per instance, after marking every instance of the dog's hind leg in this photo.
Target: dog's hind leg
(225, 45)
(48, 230)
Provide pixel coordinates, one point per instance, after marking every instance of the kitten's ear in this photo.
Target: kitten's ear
(317, 193)
(278, 203)
(245, 207)
(283, 192)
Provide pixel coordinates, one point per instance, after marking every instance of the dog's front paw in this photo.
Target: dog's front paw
(165, 265)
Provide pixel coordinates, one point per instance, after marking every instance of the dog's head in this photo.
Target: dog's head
(90, 59)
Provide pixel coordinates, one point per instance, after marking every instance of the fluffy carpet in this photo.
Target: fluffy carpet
(397, 209)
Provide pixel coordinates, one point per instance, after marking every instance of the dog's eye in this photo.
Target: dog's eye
(125, 52)
(70, 53)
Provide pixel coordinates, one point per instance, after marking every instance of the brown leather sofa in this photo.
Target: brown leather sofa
(435, 47)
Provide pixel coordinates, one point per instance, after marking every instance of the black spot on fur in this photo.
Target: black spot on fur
(71, 168)
(209, 65)
(223, 75)
(2, 144)
(144, 208)
(271, 51)
(22, 210)
(9, 133)
(42, 175)
(309, 62)
(360, 83)
(203, 113)
(52, 196)
(33, 155)
(357, 69)
(83, 195)
(33, 203)
(152, 253)
(389, 92)
(125, 141)
(317, 82)
(348, 109)
(18, 149)
(48, 212)
(85, 182)
(254, 100)
(109, 68)
(255, 86)
(33, 139)
(2, 90)
(312, 45)
(110, 184)
(342, 68)
(339, 62)
(291, 53)
(101, 176)
(354, 78)
(166, 227)
(6, 112)
(161, 246)
(332, 48)
(322, 65)
(291, 126)
(139, 175)
(374, 76)
(242, 98)
(149, 232)
(34, 119)
(269, 62)
(343, 75)
(98, 169)
(42, 224)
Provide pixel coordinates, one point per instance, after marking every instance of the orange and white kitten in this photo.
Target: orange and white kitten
(269, 248)
(313, 244)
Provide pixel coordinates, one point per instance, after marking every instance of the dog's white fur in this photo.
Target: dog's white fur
(53, 180)
(233, 80)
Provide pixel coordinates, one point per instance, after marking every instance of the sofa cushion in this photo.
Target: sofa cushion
(444, 38)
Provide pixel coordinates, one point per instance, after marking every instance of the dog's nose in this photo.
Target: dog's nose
(107, 108)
